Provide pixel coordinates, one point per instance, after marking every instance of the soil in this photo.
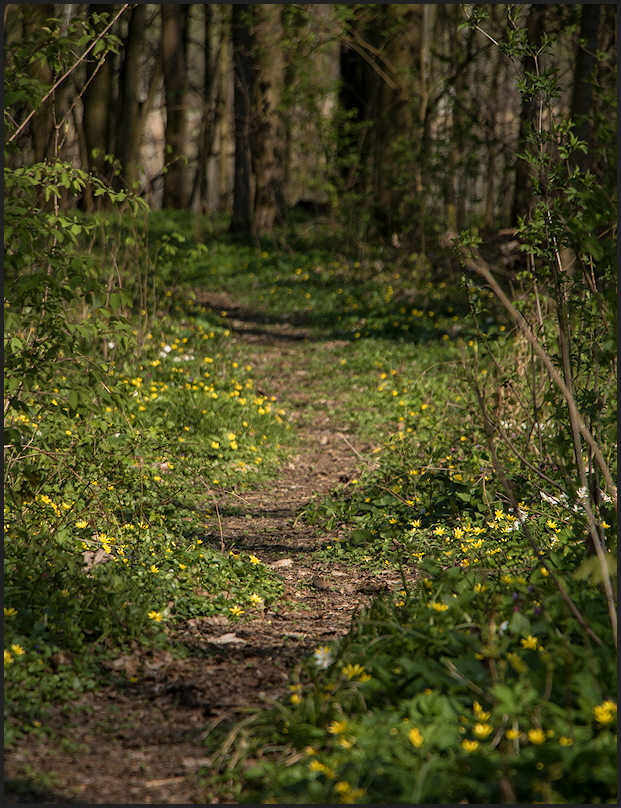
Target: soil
(146, 741)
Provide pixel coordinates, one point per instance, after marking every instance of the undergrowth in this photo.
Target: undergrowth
(474, 681)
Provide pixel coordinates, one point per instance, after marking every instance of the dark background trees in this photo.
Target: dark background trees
(393, 115)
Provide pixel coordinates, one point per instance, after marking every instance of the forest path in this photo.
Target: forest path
(145, 741)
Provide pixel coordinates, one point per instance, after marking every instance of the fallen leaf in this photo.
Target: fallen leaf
(93, 557)
(225, 639)
(284, 562)
(128, 663)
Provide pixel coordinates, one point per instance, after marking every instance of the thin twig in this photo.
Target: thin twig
(368, 463)
(477, 264)
(67, 73)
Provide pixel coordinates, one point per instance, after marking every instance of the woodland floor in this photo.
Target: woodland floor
(147, 741)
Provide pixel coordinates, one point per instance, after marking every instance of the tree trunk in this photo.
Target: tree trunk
(42, 123)
(213, 103)
(582, 97)
(174, 31)
(267, 139)
(97, 101)
(522, 190)
(130, 121)
(242, 220)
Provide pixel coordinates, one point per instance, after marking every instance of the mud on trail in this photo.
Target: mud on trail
(146, 741)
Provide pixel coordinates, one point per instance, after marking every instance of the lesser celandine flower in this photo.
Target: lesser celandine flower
(236, 610)
(415, 737)
(318, 766)
(536, 736)
(17, 649)
(480, 713)
(469, 746)
(482, 730)
(530, 643)
(337, 727)
(355, 671)
(605, 712)
(153, 615)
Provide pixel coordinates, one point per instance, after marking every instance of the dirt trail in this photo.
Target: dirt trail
(145, 742)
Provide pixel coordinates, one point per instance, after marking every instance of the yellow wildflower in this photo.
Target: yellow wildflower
(415, 737)
(351, 671)
(480, 713)
(482, 730)
(530, 643)
(536, 736)
(512, 734)
(469, 746)
(605, 712)
(153, 615)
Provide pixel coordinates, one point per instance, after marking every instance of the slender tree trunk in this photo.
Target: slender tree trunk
(491, 140)
(522, 191)
(213, 103)
(242, 220)
(42, 123)
(130, 121)
(582, 97)
(97, 102)
(174, 31)
(267, 132)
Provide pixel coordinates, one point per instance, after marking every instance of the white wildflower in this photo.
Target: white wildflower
(323, 657)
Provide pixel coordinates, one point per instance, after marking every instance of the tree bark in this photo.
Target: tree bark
(522, 189)
(582, 96)
(174, 32)
(130, 121)
(213, 103)
(242, 219)
(267, 139)
(42, 123)
(97, 101)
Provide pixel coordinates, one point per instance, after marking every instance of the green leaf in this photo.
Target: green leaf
(519, 624)
(505, 698)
